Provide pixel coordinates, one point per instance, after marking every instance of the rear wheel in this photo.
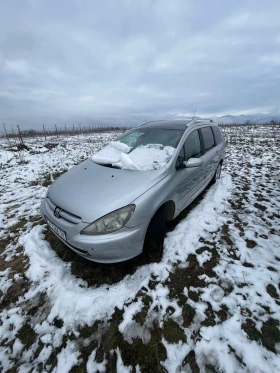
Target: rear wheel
(156, 231)
(217, 174)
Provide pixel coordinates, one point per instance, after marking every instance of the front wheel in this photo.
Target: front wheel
(156, 231)
(217, 174)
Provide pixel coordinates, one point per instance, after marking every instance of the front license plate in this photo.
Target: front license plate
(56, 230)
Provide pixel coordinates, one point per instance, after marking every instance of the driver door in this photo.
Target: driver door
(188, 179)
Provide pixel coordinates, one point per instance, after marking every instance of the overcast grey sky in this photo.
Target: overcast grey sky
(120, 61)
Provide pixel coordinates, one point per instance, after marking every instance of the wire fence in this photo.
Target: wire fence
(12, 133)
(271, 129)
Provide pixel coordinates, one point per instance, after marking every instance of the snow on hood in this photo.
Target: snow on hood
(143, 158)
(111, 153)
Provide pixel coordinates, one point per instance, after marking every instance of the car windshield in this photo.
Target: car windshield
(140, 149)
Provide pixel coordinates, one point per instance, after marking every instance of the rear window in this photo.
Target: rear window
(208, 138)
(218, 135)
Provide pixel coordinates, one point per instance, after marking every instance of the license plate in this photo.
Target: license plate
(56, 230)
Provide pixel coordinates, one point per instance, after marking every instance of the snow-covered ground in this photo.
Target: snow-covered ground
(210, 303)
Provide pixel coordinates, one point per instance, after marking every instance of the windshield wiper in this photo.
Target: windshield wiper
(109, 165)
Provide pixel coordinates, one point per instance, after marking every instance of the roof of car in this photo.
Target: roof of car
(181, 124)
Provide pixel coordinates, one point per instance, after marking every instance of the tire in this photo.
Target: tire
(217, 174)
(156, 231)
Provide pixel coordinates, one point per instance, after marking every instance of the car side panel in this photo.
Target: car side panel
(171, 186)
(148, 203)
(210, 163)
(166, 190)
(186, 182)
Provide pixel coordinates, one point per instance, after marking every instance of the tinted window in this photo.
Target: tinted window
(192, 146)
(218, 135)
(208, 138)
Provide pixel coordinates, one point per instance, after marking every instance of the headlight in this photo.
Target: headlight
(111, 222)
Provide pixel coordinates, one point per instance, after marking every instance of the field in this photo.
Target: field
(209, 303)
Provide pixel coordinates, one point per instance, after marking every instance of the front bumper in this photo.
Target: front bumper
(108, 248)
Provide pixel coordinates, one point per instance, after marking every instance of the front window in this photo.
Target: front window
(190, 149)
(192, 146)
(140, 149)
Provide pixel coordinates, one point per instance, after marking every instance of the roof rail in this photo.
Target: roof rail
(150, 121)
(195, 121)
(141, 124)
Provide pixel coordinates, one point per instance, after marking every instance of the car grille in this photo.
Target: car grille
(66, 215)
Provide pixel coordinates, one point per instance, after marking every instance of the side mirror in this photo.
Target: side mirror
(193, 162)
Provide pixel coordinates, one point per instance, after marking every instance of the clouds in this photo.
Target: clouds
(126, 60)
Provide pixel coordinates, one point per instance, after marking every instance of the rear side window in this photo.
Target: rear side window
(218, 135)
(192, 146)
(208, 138)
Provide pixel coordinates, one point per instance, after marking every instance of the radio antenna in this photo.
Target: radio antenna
(194, 113)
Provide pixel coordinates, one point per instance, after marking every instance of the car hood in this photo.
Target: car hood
(90, 190)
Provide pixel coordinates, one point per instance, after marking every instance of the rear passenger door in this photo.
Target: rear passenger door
(210, 155)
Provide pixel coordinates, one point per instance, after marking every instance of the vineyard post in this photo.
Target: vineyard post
(44, 132)
(13, 130)
(19, 135)
(6, 134)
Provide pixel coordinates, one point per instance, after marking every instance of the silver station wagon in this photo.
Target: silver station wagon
(115, 204)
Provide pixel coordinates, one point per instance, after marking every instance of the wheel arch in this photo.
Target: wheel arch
(170, 210)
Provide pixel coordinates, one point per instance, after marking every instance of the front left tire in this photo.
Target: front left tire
(156, 231)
